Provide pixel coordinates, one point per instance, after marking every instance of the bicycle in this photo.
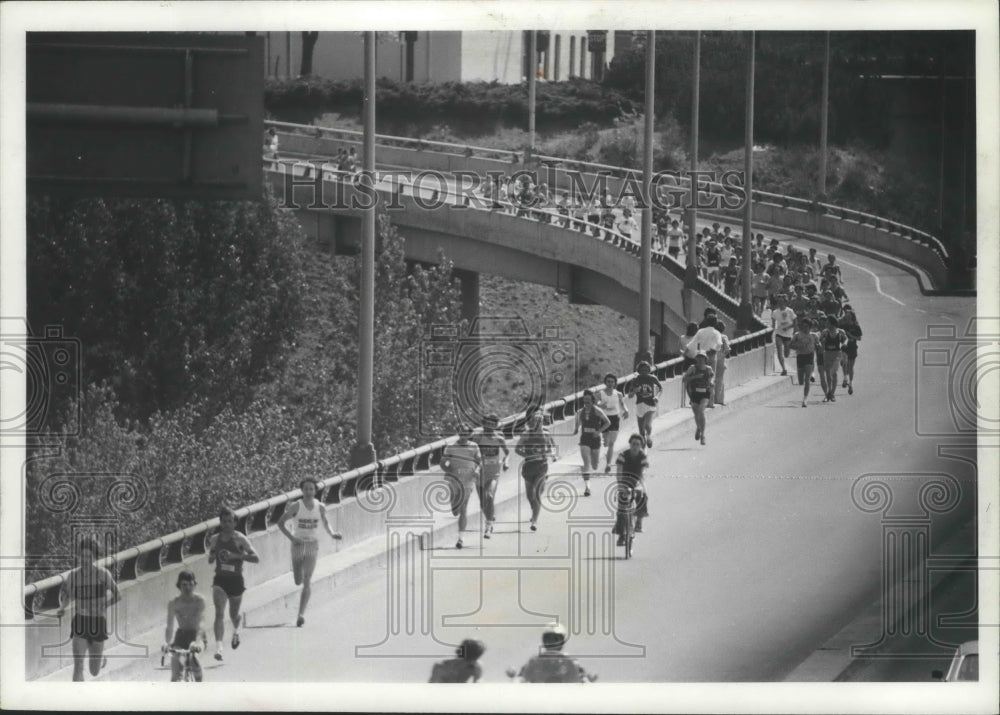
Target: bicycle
(625, 526)
(186, 656)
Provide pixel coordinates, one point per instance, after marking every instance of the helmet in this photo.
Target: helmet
(470, 649)
(554, 635)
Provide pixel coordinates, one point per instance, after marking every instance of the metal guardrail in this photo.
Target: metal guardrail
(174, 548)
(472, 151)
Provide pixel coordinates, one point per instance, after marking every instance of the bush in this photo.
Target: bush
(470, 108)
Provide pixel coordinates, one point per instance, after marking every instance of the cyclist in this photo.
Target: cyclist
(306, 516)
(833, 339)
(805, 343)
(88, 586)
(646, 389)
(462, 464)
(552, 665)
(228, 549)
(535, 446)
(188, 609)
(699, 382)
(632, 464)
(612, 403)
(463, 668)
(590, 423)
(490, 443)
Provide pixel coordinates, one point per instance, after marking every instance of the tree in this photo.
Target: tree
(308, 45)
(171, 300)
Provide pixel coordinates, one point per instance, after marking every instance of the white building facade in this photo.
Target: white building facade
(443, 56)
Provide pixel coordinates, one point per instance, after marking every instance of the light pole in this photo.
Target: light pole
(532, 77)
(691, 273)
(745, 317)
(645, 289)
(823, 119)
(364, 451)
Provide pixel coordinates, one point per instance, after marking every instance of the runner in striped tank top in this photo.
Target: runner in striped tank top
(306, 515)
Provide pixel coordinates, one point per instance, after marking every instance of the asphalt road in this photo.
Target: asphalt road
(754, 555)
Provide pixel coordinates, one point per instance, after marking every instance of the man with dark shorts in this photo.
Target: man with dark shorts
(188, 609)
(805, 344)
(490, 442)
(88, 587)
(535, 446)
(646, 389)
(228, 549)
(612, 404)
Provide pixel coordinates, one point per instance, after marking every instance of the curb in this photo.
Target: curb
(278, 598)
(833, 660)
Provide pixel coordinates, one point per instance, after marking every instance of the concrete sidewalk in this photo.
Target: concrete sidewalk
(276, 600)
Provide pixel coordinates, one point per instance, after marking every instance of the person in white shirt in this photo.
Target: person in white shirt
(711, 342)
(720, 365)
(783, 322)
(612, 403)
(307, 514)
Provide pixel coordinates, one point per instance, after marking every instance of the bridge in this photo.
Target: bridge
(735, 546)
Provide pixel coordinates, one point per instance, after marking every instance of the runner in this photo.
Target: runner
(228, 549)
(853, 330)
(462, 464)
(552, 665)
(805, 343)
(535, 446)
(88, 586)
(307, 515)
(632, 464)
(831, 269)
(463, 668)
(590, 422)
(646, 389)
(189, 611)
(675, 237)
(713, 261)
(612, 403)
(833, 339)
(730, 277)
(490, 442)
(759, 282)
(783, 322)
(698, 381)
(710, 341)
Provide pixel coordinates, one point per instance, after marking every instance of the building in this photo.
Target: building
(458, 56)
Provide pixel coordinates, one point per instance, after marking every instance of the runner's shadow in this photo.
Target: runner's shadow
(269, 625)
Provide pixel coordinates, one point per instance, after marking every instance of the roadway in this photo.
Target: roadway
(754, 556)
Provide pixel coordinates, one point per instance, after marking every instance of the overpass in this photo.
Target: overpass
(399, 485)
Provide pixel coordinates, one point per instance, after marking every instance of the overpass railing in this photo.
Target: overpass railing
(174, 548)
(820, 215)
(720, 300)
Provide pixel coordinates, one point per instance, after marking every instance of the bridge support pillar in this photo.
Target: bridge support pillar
(667, 343)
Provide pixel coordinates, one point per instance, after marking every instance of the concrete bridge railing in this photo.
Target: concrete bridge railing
(855, 227)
